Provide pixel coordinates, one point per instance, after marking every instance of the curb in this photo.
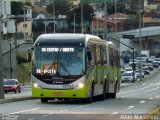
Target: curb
(14, 99)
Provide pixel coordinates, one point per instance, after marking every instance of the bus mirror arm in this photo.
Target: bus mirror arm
(89, 56)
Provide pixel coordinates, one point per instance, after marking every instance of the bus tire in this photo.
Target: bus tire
(44, 100)
(104, 91)
(90, 99)
(113, 95)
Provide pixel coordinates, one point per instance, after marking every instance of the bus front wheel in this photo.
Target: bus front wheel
(44, 100)
(90, 99)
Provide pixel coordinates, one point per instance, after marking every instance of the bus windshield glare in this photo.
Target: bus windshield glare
(59, 60)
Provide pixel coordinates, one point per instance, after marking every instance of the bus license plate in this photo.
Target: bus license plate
(57, 93)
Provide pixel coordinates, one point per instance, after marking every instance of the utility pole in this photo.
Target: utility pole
(74, 22)
(140, 39)
(1, 59)
(54, 16)
(81, 16)
(115, 17)
(105, 15)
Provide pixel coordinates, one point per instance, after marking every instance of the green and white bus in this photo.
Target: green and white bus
(74, 66)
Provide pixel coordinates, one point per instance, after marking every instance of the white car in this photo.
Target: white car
(129, 69)
(128, 77)
(138, 73)
(131, 62)
(146, 70)
(151, 58)
(157, 60)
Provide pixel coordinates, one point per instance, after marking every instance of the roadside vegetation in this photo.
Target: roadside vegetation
(23, 68)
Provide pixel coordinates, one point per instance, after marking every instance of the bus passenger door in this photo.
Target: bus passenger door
(99, 73)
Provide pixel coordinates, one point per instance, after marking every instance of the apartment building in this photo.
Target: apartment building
(8, 22)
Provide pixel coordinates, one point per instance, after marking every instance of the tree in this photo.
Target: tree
(16, 8)
(38, 26)
(88, 13)
(132, 21)
(61, 7)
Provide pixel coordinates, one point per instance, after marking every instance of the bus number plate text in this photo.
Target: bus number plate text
(57, 93)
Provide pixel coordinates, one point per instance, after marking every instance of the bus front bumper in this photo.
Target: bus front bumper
(54, 93)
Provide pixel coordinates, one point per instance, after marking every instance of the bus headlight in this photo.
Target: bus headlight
(36, 85)
(80, 85)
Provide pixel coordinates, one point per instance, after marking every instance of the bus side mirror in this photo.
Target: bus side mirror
(89, 56)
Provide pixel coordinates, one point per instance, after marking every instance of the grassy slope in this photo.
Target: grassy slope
(23, 70)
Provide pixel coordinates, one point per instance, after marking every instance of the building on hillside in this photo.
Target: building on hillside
(8, 22)
(25, 27)
(8, 42)
(74, 2)
(115, 22)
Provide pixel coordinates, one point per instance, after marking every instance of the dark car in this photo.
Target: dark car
(12, 85)
(155, 64)
(145, 70)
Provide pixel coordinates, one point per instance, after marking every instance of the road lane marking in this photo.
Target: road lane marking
(130, 107)
(64, 110)
(140, 88)
(150, 98)
(153, 89)
(157, 96)
(143, 91)
(31, 118)
(122, 96)
(144, 83)
(47, 114)
(142, 101)
(25, 111)
(134, 90)
(114, 113)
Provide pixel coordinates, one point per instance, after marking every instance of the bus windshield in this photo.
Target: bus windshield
(59, 60)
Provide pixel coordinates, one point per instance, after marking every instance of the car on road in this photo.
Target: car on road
(139, 72)
(128, 77)
(128, 69)
(158, 60)
(12, 85)
(155, 64)
(149, 65)
(151, 58)
(146, 70)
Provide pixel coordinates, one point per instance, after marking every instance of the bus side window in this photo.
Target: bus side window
(105, 56)
(89, 56)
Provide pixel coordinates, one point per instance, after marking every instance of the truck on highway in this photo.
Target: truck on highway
(145, 55)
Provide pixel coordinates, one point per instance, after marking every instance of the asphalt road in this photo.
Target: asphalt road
(133, 102)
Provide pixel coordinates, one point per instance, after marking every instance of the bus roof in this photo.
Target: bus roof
(63, 37)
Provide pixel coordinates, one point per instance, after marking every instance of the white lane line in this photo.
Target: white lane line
(130, 107)
(122, 96)
(31, 118)
(64, 110)
(153, 89)
(24, 111)
(114, 113)
(140, 88)
(143, 91)
(144, 83)
(47, 114)
(134, 90)
(157, 96)
(142, 101)
(150, 98)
